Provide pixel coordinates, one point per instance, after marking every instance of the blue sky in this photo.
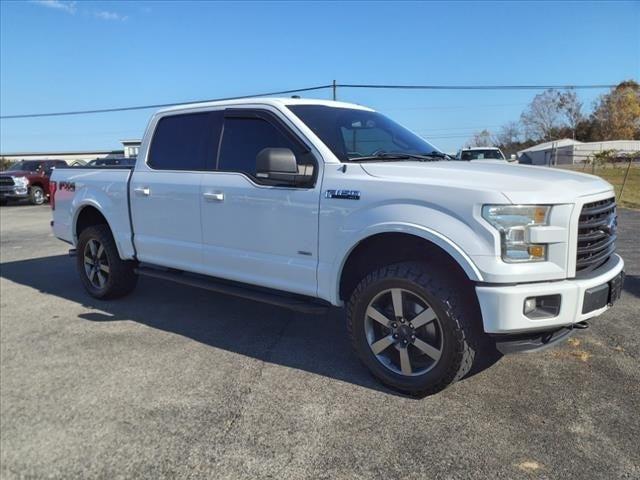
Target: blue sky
(57, 55)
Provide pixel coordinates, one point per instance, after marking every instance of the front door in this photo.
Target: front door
(254, 232)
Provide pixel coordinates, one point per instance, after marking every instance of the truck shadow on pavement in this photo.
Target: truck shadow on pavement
(314, 343)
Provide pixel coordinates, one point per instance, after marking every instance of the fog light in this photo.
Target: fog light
(546, 306)
(529, 305)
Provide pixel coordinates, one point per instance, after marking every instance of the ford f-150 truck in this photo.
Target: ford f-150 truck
(309, 204)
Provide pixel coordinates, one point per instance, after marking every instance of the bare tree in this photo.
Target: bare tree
(481, 139)
(543, 115)
(571, 109)
(509, 134)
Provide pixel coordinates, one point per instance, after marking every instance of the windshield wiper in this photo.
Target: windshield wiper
(436, 154)
(390, 156)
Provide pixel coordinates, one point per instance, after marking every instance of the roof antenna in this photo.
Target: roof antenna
(295, 96)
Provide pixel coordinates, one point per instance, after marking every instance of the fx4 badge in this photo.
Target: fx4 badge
(71, 186)
(343, 194)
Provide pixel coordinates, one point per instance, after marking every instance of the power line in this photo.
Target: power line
(455, 107)
(159, 105)
(309, 89)
(475, 87)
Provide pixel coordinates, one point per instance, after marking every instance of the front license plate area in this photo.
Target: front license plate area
(603, 295)
(615, 288)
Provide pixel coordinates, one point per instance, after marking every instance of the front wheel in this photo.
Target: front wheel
(103, 273)
(411, 328)
(36, 195)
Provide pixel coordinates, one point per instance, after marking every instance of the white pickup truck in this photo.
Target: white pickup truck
(308, 204)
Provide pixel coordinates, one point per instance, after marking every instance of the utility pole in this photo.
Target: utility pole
(334, 90)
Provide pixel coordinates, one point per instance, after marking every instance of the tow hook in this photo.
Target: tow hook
(581, 325)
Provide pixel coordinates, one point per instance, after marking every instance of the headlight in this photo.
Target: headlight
(21, 181)
(513, 221)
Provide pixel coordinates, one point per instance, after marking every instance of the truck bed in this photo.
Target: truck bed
(105, 188)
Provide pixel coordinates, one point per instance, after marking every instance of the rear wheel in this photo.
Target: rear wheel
(411, 327)
(36, 195)
(103, 273)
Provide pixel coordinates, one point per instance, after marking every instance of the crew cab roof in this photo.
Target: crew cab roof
(275, 102)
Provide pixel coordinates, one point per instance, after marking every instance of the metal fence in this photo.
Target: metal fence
(623, 174)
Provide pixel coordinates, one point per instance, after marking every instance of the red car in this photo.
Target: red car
(27, 179)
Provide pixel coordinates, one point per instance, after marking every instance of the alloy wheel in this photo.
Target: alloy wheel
(96, 264)
(403, 332)
(38, 197)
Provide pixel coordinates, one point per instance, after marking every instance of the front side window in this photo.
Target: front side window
(244, 138)
(25, 165)
(351, 133)
(186, 141)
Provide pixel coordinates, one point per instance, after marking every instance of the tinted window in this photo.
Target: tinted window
(26, 165)
(352, 133)
(243, 138)
(490, 153)
(186, 142)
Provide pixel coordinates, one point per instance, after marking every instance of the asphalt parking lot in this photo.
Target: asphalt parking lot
(174, 381)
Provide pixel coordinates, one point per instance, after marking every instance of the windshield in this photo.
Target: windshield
(25, 165)
(489, 153)
(351, 133)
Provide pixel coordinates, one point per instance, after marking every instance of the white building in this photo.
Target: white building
(567, 151)
(131, 148)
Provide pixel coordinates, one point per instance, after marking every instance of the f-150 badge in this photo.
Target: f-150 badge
(343, 194)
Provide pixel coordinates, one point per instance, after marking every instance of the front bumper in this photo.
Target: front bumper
(14, 192)
(502, 306)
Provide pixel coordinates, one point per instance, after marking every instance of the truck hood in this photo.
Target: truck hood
(16, 173)
(519, 183)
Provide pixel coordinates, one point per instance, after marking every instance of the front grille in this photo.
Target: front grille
(6, 181)
(597, 230)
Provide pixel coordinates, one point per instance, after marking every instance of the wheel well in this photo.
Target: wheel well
(88, 217)
(36, 185)
(387, 248)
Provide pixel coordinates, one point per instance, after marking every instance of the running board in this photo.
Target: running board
(295, 303)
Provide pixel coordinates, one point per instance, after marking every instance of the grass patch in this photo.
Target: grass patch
(614, 173)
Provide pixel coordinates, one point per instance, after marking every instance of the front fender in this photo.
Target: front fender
(347, 246)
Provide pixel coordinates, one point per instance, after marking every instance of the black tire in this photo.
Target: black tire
(36, 195)
(459, 335)
(119, 279)
(3, 201)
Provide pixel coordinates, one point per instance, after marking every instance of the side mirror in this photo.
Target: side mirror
(513, 157)
(279, 164)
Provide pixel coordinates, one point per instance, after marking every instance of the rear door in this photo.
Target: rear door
(165, 189)
(254, 232)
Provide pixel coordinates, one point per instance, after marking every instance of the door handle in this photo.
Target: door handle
(143, 191)
(213, 196)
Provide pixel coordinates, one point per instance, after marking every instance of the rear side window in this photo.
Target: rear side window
(244, 138)
(186, 142)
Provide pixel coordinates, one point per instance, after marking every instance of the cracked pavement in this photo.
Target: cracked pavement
(178, 382)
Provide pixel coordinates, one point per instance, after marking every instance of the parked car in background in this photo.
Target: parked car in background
(28, 179)
(112, 162)
(480, 153)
